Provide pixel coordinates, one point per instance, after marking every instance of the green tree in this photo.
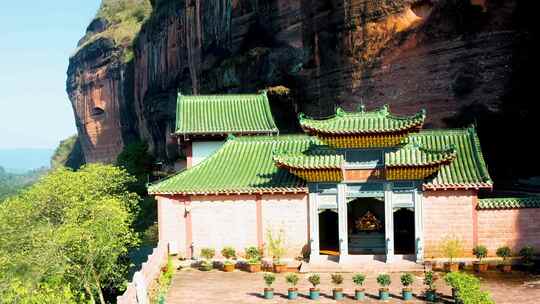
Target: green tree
(72, 228)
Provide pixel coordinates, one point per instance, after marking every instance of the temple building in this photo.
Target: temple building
(365, 183)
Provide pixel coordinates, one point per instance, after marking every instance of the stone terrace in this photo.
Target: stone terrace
(193, 286)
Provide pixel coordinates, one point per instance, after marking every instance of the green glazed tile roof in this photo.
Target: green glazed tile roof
(224, 114)
(413, 155)
(246, 164)
(379, 121)
(243, 165)
(509, 202)
(467, 170)
(321, 160)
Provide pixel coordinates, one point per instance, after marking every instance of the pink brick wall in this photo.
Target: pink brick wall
(448, 214)
(171, 221)
(233, 220)
(512, 227)
(224, 220)
(290, 213)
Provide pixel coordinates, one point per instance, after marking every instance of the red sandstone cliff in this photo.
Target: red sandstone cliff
(448, 56)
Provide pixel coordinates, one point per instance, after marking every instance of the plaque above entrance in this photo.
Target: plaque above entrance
(363, 175)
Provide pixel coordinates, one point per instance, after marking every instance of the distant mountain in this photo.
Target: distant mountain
(23, 160)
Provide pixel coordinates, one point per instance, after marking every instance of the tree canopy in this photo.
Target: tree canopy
(72, 228)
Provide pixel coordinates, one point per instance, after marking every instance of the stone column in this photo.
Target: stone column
(419, 226)
(313, 227)
(342, 222)
(389, 222)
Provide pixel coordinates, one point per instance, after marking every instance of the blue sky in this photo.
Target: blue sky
(36, 39)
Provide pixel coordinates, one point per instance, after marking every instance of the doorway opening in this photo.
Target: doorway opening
(404, 238)
(328, 232)
(366, 225)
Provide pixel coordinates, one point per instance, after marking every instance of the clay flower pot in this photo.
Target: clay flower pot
(292, 293)
(279, 268)
(359, 294)
(506, 268)
(268, 293)
(228, 267)
(451, 267)
(314, 293)
(337, 293)
(256, 267)
(480, 267)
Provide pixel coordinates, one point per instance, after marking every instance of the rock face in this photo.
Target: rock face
(445, 56)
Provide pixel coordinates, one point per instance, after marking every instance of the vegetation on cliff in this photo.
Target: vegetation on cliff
(68, 154)
(67, 237)
(122, 21)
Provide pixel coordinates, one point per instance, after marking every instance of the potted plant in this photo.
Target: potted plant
(229, 253)
(505, 252)
(314, 292)
(527, 255)
(452, 248)
(429, 281)
(277, 249)
(253, 256)
(207, 254)
(337, 291)
(359, 292)
(480, 252)
(385, 281)
(269, 279)
(407, 280)
(292, 280)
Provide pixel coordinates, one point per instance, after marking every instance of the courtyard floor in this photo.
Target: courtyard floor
(194, 286)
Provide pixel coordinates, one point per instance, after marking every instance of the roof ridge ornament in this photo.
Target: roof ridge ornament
(385, 109)
(340, 112)
(361, 108)
(231, 136)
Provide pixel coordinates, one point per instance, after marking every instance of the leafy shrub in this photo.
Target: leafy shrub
(467, 288)
(292, 279)
(359, 279)
(253, 255)
(407, 279)
(276, 245)
(527, 254)
(429, 280)
(269, 279)
(315, 280)
(337, 279)
(228, 252)
(504, 252)
(384, 280)
(208, 253)
(452, 247)
(480, 252)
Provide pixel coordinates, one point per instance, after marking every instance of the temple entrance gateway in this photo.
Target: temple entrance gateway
(366, 227)
(328, 232)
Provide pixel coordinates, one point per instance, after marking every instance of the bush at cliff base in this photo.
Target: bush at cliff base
(467, 289)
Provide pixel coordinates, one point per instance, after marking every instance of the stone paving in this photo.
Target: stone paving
(194, 286)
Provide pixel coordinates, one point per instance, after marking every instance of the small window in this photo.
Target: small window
(97, 111)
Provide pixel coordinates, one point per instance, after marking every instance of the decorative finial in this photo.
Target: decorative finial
(385, 109)
(361, 108)
(340, 112)
(301, 116)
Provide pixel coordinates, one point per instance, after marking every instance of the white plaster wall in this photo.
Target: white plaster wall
(290, 213)
(172, 225)
(203, 149)
(220, 221)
